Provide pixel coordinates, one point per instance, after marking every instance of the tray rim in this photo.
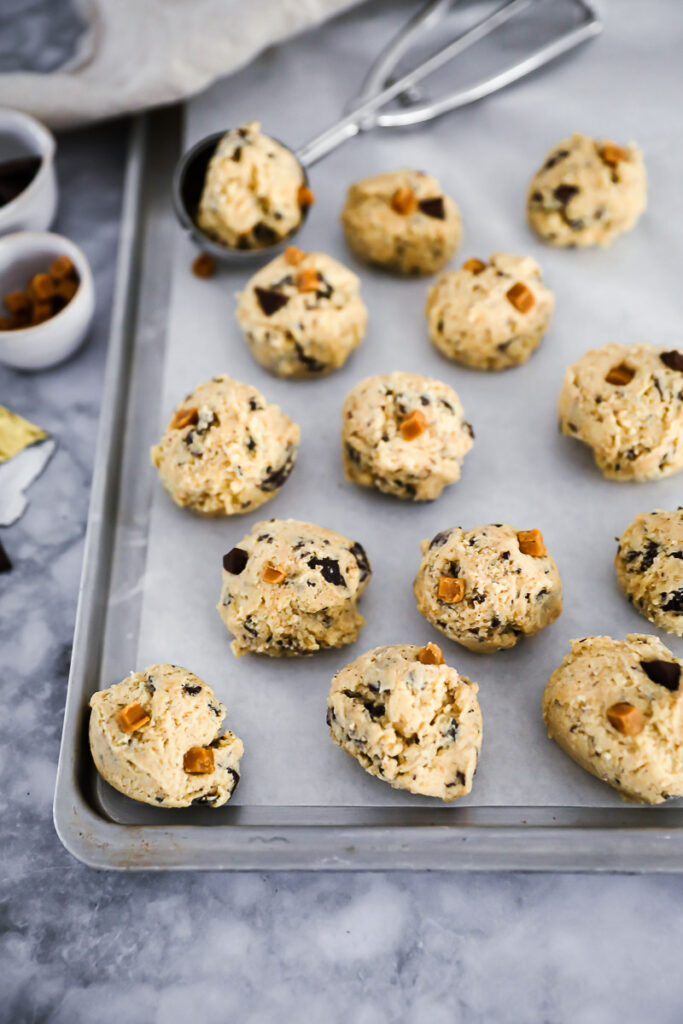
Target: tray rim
(104, 844)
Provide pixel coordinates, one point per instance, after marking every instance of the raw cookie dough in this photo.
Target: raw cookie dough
(617, 709)
(226, 449)
(649, 562)
(253, 190)
(487, 587)
(416, 726)
(153, 763)
(291, 588)
(626, 403)
(402, 221)
(587, 192)
(404, 434)
(302, 314)
(490, 315)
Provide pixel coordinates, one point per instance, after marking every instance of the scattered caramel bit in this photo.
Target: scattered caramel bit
(613, 154)
(132, 717)
(204, 265)
(184, 417)
(294, 256)
(17, 302)
(307, 280)
(414, 424)
(404, 200)
(451, 590)
(474, 265)
(198, 761)
(273, 574)
(60, 268)
(305, 197)
(431, 655)
(621, 374)
(521, 297)
(625, 718)
(531, 543)
(41, 287)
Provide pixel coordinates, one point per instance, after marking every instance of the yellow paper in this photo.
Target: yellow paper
(16, 433)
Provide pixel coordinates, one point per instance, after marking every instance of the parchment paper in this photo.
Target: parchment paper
(625, 86)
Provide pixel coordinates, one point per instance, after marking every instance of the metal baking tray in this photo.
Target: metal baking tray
(373, 827)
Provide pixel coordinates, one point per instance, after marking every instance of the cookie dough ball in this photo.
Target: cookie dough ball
(615, 707)
(487, 587)
(226, 449)
(291, 588)
(490, 315)
(404, 434)
(626, 403)
(254, 192)
(649, 563)
(587, 192)
(402, 221)
(302, 314)
(155, 738)
(409, 719)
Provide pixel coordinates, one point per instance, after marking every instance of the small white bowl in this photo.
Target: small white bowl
(32, 348)
(33, 209)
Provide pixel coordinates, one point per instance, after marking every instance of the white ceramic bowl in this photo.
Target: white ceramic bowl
(33, 209)
(32, 348)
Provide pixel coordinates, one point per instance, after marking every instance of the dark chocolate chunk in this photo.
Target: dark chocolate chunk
(276, 477)
(558, 155)
(235, 776)
(311, 364)
(191, 690)
(353, 454)
(664, 673)
(208, 798)
(469, 428)
(5, 563)
(270, 301)
(673, 359)
(251, 443)
(216, 710)
(254, 405)
(650, 552)
(563, 193)
(452, 730)
(235, 561)
(329, 570)
(264, 234)
(439, 539)
(433, 207)
(236, 154)
(362, 560)
(674, 602)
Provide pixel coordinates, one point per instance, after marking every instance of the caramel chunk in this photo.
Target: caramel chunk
(40, 312)
(625, 718)
(431, 655)
(132, 717)
(474, 265)
(66, 289)
(294, 256)
(531, 543)
(6, 323)
(613, 154)
(307, 280)
(305, 196)
(451, 590)
(621, 374)
(414, 424)
(273, 574)
(184, 417)
(17, 302)
(198, 761)
(404, 201)
(41, 287)
(60, 268)
(204, 265)
(521, 297)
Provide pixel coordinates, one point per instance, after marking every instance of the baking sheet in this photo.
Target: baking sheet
(520, 470)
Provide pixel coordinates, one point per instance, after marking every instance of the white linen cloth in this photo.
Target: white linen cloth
(136, 54)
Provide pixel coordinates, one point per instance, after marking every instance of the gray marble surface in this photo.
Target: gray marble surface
(83, 946)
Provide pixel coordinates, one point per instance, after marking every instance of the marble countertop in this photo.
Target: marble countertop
(78, 945)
